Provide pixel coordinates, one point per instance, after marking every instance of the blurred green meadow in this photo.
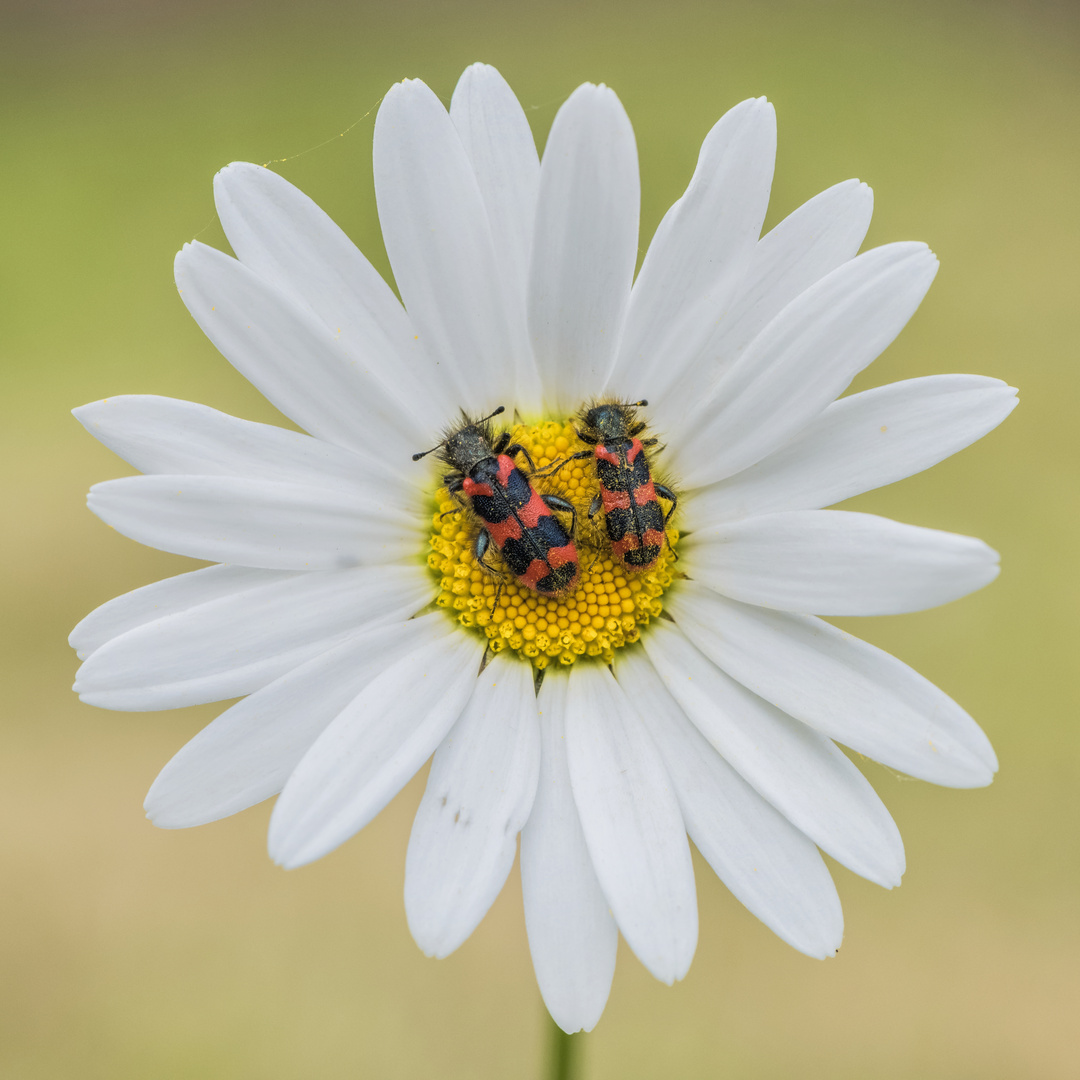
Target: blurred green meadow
(129, 952)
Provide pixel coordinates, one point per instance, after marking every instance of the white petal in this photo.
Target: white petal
(834, 562)
(166, 597)
(632, 825)
(438, 239)
(373, 748)
(278, 232)
(248, 752)
(802, 360)
(809, 243)
(164, 435)
(697, 261)
(233, 645)
(479, 794)
(572, 936)
(295, 360)
(284, 526)
(860, 443)
(585, 246)
(499, 142)
(769, 865)
(851, 691)
(804, 775)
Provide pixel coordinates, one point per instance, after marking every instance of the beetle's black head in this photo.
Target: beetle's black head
(466, 446)
(610, 421)
(467, 443)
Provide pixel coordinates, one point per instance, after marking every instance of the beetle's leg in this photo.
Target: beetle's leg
(481, 546)
(517, 448)
(454, 483)
(667, 493)
(595, 505)
(554, 502)
(557, 465)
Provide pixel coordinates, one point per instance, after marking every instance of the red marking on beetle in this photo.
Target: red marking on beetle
(560, 556)
(615, 500)
(501, 531)
(635, 449)
(471, 488)
(645, 493)
(506, 467)
(539, 569)
(533, 511)
(606, 455)
(534, 572)
(652, 539)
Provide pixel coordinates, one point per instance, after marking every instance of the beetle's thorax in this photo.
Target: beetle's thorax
(611, 423)
(489, 470)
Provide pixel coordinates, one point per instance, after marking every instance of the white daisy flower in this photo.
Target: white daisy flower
(348, 613)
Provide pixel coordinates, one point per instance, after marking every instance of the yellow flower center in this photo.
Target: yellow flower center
(605, 611)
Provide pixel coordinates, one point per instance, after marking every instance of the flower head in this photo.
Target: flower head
(366, 629)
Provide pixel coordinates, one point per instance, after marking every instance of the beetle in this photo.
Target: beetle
(636, 523)
(534, 544)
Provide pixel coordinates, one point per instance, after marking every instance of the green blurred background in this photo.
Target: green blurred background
(127, 952)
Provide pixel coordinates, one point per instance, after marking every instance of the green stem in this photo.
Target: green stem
(564, 1051)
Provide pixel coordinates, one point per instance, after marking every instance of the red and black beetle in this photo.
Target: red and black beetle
(534, 545)
(636, 523)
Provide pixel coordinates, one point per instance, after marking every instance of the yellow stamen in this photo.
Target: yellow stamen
(607, 609)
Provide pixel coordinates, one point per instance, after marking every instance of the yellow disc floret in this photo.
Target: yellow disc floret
(605, 611)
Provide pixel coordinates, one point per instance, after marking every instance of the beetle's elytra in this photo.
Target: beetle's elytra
(533, 543)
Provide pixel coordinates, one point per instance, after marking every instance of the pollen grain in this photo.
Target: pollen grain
(607, 610)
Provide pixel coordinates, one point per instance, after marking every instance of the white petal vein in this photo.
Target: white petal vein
(248, 752)
(632, 824)
(860, 443)
(373, 748)
(843, 687)
(572, 935)
(584, 247)
(769, 865)
(479, 793)
(232, 645)
(801, 361)
(800, 771)
(835, 562)
(276, 526)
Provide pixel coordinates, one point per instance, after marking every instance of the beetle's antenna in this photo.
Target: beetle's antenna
(484, 419)
(475, 423)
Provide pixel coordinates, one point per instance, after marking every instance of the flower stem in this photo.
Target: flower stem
(564, 1053)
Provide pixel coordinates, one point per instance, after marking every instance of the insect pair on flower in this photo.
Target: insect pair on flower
(534, 544)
